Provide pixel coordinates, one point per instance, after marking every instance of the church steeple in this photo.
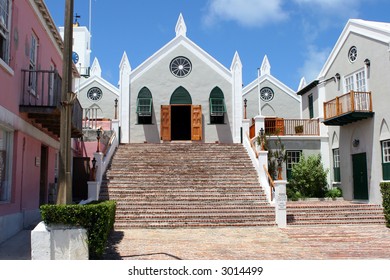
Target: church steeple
(181, 28)
(265, 67)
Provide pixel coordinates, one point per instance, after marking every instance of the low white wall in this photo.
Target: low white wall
(59, 242)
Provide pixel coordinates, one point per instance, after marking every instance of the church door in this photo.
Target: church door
(181, 122)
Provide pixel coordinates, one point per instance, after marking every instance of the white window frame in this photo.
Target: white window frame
(7, 145)
(293, 157)
(5, 27)
(386, 151)
(32, 84)
(356, 81)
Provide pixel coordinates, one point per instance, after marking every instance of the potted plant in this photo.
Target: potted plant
(299, 129)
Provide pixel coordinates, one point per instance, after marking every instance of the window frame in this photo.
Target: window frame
(356, 81)
(336, 165)
(142, 118)
(5, 28)
(385, 159)
(5, 190)
(290, 163)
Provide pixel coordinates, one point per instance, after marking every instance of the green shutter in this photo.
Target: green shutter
(311, 107)
(217, 106)
(144, 103)
(144, 107)
(336, 173)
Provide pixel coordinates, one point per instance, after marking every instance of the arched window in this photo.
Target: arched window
(217, 106)
(180, 97)
(144, 106)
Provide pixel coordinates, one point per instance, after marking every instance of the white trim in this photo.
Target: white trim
(273, 80)
(170, 47)
(6, 67)
(101, 81)
(376, 30)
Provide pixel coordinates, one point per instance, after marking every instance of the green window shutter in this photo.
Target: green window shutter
(336, 173)
(217, 106)
(144, 107)
(311, 106)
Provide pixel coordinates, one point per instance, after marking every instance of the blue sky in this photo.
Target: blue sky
(296, 35)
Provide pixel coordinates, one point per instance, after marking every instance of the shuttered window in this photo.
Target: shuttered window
(336, 165)
(217, 106)
(386, 159)
(144, 106)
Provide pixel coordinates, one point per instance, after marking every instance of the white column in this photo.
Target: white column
(99, 165)
(245, 127)
(259, 124)
(280, 203)
(124, 103)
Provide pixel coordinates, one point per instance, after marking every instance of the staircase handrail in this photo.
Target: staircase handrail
(250, 146)
(270, 181)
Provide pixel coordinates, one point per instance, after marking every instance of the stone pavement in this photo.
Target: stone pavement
(251, 243)
(234, 243)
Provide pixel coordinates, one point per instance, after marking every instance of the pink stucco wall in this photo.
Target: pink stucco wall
(27, 157)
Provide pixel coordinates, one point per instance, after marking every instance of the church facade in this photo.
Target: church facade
(181, 93)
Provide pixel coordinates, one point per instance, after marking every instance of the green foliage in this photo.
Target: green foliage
(97, 218)
(334, 193)
(385, 190)
(309, 177)
(273, 154)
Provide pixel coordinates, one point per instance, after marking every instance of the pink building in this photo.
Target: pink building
(30, 92)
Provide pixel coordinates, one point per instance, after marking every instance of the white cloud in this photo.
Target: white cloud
(314, 60)
(252, 13)
(333, 8)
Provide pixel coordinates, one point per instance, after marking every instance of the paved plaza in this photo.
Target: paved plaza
(253, 243)
(234, 243)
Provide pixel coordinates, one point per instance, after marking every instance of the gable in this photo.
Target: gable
(376, 31)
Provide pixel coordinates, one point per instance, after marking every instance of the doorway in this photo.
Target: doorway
(181, 122)
(43, 194)
(360, 182)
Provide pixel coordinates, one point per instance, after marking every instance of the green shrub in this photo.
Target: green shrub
(97, 218)
(309, 177)
(334, 193)
(385, 190)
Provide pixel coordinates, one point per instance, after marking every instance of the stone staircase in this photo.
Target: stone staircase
(185, 185)
(197, 185)
(341, 212)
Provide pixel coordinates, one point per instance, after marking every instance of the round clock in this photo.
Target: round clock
(180, 66)
(266, 94)
(75, 57)
(95, 94)
(352, 54)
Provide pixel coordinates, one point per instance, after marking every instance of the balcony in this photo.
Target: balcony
(351, 107)
(292, 127)
(40, 100)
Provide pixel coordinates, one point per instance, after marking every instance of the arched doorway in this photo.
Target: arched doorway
(181, 120)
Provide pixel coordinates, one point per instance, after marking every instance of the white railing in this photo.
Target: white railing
(102, 162)
(259, 159)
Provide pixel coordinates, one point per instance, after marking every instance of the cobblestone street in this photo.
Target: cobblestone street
(252, 243)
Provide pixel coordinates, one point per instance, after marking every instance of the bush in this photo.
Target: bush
(334, 193)
(309, 177)
(385, 190)
(97, 218)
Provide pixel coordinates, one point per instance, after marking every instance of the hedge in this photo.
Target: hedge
(97, 218)
(385, 190)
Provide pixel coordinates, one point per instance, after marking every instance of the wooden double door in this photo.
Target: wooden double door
(181, 122)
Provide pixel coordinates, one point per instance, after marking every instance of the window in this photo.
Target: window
(32, 81)
(311, 106)
(336, 165)
(266, 94)
(144, 106)
(95, 94)
(217, 106)
(180, 67)
(356, 82)
(4, 30)
(5, 164)
(386, 159)
(352, 54)
(293, 157)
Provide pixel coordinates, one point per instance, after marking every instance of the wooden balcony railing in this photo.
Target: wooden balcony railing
(41, 100)
(280, 126)
(353, 101)
(41, 88)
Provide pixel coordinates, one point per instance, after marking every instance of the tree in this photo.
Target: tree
(308, 178)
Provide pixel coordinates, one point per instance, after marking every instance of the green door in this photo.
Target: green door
(360, 182)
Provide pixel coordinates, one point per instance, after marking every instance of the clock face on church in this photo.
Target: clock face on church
(180, 67)
(94, 94)
(75, 57)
